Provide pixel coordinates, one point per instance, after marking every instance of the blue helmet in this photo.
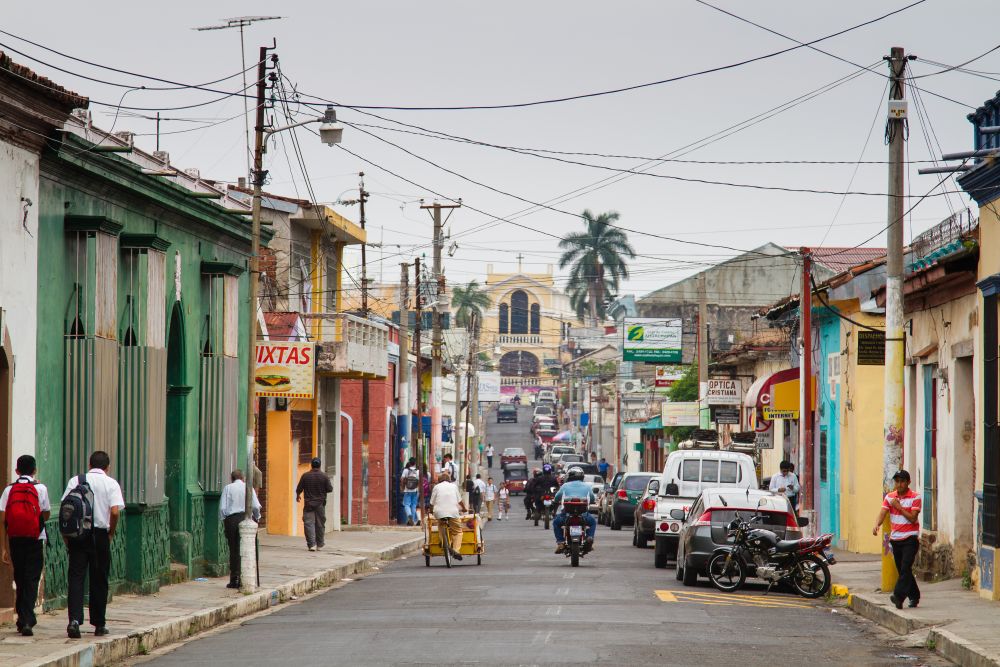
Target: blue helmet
(547, 468)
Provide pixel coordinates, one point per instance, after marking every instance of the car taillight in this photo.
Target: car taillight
(648, 505)
(664, 527)
(791, 522)
(622, 494)
(704, 520)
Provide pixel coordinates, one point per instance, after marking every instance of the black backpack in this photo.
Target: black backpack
(411, 481)
(76, 512)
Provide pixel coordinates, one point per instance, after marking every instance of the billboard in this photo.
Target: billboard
(489, 387)
(285, 369)
(681, 414)
(724, 392)
(667, 375)
(651, 339)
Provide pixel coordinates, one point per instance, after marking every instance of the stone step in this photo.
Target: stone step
(177, 574)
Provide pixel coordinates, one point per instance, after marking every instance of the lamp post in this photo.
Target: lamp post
(330, 133)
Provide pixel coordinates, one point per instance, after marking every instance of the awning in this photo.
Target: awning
(656, 423)
(761, 395)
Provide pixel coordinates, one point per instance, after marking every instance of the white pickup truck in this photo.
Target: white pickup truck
(686, 474)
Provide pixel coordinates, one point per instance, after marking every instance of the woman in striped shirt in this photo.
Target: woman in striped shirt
(903, 507)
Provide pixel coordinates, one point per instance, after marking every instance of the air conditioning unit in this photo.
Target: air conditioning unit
(629, 386)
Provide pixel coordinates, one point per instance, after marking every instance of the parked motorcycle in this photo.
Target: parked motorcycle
(575, 530)
(757, 552)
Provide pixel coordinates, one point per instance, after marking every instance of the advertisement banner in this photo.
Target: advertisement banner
(681, 414)
(667, 375)
(489, 387)
(724, 392)
(650, 339)
(285, 369)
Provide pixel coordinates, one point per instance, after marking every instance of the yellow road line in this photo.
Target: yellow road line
(748, 598)
(725, 600)
(665, 596)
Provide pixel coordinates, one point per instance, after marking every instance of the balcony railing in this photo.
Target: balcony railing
(350, 346)
(520, 339)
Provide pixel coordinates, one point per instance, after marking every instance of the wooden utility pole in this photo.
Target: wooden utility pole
(417, 344)
(403, 410)
(806, 445)
(704, 414)
(365, 396)
(892, 430)
(471, 379)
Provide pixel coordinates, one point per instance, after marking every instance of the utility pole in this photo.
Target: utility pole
(248, 528)
(892, 431)
(806, 446)
(365, 396)
(437, 340)
(417, 344)
(470, 377)
(704, 414)
(403, 412)
(459, 451)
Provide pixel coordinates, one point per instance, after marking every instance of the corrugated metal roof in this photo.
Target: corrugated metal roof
(841, 258)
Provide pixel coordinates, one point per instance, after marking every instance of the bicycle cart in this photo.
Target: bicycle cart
(472, 540)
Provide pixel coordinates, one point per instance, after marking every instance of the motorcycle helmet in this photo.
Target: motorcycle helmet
(575, 474)
(547, 468)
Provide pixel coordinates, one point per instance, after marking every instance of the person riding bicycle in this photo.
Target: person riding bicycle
(576, 489)
(543, 486)
(529, 497)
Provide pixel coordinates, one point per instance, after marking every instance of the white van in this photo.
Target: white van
(546, 396)
(686, 474)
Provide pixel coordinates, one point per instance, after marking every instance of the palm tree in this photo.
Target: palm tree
(598, 264)
(468, 302)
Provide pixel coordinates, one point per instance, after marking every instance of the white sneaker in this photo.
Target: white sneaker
(319, 547)
(312, 548)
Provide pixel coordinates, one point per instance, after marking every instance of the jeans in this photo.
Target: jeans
(27, 559)
(90, 558)
(231, 528)
(476, 500)
(410, 499)
(314, 521)
(904, 552)
(489, 461)
(560, 521)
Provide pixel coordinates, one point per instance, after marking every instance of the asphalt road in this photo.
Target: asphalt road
(526, 606)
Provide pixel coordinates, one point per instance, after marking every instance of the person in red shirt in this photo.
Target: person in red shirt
(903, 507)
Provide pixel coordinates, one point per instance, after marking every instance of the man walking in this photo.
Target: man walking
(446, 503)
(603, 467)
(409, 486)
(479, 492)
(448, 466)
(489, 455)
(314, 484)
(903, 507)
(491, 498)
(24, 509)
(786, 483)
(232, 510)
(90, 549)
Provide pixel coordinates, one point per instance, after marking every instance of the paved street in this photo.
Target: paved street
(527, 606)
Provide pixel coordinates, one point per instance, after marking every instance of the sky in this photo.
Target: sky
(430, 53)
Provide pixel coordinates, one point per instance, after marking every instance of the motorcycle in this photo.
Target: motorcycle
(756, 552)
(543, 509)
(575, 530)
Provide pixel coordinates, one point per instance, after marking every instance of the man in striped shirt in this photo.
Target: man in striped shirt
(903, 507)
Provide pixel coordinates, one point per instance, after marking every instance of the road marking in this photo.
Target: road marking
(723, 599)
(564, 591)
(569, 575)
(553, 611)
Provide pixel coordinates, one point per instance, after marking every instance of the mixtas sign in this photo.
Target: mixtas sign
(285, 369)
(656, 340)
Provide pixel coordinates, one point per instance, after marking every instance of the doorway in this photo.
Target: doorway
(177, 393)
(6, 397)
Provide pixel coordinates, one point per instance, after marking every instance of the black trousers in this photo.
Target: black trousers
(231, 527)
(27, 556)
(90, 558)
(904, 552)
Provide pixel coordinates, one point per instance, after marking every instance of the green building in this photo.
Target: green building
(142, 286)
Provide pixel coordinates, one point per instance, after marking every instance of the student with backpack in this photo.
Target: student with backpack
(409, 484)
(24, 509)
(88, 517)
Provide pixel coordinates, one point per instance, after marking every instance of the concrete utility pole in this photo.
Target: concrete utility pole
(417, 344)
(403, 411)
(704, 414)
(459, 450)
(365, 396)
(248, 527)
(470, 379)
(892, 432)
(437, 340)
(806, 445)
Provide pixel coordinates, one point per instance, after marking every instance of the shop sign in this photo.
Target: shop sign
(681, 414)
(726, 415)
(771, 415)
(724, 392)
(650, 339)
(765, 439)
(285, 369)
(871, 348)
(667, 375)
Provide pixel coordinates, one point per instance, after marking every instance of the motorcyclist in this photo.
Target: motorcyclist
(529, 496)
(543, 485)
(574, 488)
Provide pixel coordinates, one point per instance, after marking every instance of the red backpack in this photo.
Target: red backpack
(23, 516)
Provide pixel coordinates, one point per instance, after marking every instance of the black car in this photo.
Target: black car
(506, 413)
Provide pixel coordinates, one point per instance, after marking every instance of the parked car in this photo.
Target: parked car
(512, 455)
(605, 499)
(555, 452)
(643, 523)
(597, 483)
(543, 410)
(547, 433)
(546, 396)
(686, 474)
(626, 496)
(506, 413)
(702, 529)
(567, 460)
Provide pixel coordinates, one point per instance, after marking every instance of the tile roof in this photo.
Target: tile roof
(281, 326)
(47, 86)
(838, 258)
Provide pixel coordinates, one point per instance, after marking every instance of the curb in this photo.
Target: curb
(140, 642)
(899, 622)
(960, 651)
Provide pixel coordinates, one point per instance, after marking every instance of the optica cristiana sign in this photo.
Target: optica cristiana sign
(285, 369)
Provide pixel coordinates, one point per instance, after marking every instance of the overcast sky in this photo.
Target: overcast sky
(433, 53)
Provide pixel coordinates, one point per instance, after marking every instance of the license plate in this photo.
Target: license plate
(829, 557)
(547, 503)
(575, 531)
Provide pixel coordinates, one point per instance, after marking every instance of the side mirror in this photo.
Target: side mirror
(653, 486)
(677, 514)
(803, 521)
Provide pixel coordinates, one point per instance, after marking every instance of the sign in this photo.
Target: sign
(764, 439)
(725, 415)
(489, 386)
(667, 375)
(648, 339)
(871, 348)
(771, 414)
(584, 419)
(681, 414)
(724, 392)
(285, 369)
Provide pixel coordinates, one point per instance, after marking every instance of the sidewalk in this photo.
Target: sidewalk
(955, 622)
(139, 624)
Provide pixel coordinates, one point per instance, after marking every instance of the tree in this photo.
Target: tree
(683, 390)
(467, 301)
(597, 261)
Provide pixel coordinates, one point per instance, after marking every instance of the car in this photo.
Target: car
(686, 474)
(506, 413)
(516, 476)
(512, 455)
(546, 396)
(546, 434)
(568, 460)
(622, 505)
(704, 526)
(605, 499)
(555, 452)
(643, 521)
(544, 411)
(597, 482)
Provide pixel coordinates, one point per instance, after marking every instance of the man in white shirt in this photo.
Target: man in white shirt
(232, 510)
(491, 498)
(489, 455)
(480, 492)
(446, 503)
(448, 466)
(786, 483)
(26, 551)
(91, 555)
